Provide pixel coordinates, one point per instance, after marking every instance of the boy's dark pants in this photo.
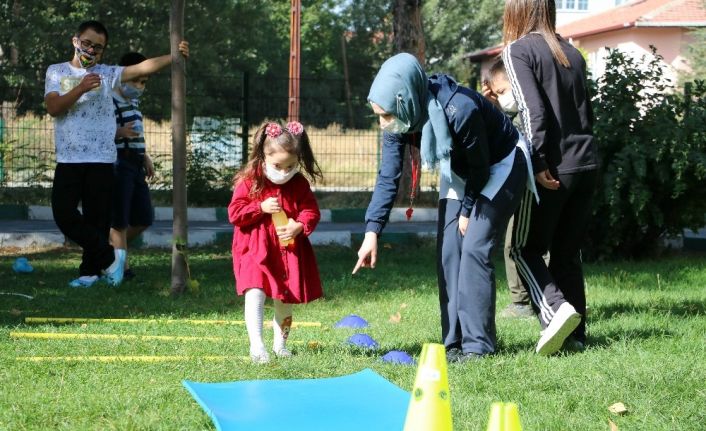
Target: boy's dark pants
(92, 185)
(558, 225)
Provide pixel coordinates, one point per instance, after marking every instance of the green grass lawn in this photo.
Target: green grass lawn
(646, 349)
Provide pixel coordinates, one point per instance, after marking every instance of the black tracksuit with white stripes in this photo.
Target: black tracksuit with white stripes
(555, 110)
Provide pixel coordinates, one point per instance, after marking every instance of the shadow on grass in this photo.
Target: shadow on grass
(146, 295)
(683, 308)
(607, 339)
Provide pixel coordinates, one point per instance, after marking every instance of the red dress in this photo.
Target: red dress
(289, 274)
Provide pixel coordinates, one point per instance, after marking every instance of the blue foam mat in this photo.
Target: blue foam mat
(360, 401)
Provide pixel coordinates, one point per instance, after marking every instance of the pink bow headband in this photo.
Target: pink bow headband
(273, 130)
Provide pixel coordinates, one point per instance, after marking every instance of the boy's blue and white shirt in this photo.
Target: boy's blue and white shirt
(86, 132)
(126, 111)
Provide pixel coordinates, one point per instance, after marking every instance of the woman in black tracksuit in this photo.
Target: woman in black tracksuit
(548, 77)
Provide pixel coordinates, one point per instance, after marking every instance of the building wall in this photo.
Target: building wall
(669, 42)
(564, 16)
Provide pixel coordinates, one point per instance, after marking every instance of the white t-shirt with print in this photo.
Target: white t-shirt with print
(86, 132)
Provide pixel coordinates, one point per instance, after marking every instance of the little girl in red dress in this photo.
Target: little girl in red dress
(268, 260)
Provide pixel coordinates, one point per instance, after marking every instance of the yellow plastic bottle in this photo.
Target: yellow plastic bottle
(281, 219)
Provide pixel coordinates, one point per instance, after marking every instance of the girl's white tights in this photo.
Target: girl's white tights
(282, 322)
(254, 308)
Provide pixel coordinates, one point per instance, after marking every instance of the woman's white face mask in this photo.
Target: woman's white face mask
(276, 176)
(396, 126)
(507, 102)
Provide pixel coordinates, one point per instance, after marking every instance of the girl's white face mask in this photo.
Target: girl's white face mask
(278, 177)
(507, 102)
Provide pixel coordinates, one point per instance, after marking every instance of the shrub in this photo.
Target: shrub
(652, 144)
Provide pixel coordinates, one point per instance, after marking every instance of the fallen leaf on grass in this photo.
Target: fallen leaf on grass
(193, 285)
(618, 409)
(395, 318)
(312, 345)
(403, 305)
(15, 312)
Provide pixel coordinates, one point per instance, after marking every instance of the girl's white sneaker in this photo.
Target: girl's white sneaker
(259, 356)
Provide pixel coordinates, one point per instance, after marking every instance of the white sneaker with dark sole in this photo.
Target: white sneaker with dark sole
(565, 320)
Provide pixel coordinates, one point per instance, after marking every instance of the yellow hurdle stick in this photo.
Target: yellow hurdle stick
(127, 358)
(72, 336)
(65, 336)
(191, 321)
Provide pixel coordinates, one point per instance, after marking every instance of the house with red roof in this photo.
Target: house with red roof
(631, 27)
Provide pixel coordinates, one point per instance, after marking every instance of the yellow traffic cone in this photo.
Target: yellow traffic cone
(504, 417)
(430, 404)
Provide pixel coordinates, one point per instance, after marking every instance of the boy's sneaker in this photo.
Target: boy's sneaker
(565, 320)
(517, 311)
(115, 272)
(283, 353)
(259, 356)
(84, 281)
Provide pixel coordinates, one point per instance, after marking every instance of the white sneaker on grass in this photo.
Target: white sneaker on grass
(565, 320)
(283, 353)
(259, 356)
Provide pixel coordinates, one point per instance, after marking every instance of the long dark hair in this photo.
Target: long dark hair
(525, 16)
(297, 144)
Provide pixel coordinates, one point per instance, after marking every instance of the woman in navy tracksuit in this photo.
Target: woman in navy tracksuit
(548, 77)
(483, 176)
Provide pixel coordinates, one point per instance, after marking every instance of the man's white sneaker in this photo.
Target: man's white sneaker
(565, 320)
(85, 281)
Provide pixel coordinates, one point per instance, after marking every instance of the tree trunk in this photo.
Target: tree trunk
(294, 59)
(180, 223)
(408, 37)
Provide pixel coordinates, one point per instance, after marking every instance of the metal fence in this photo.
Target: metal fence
(221, 122)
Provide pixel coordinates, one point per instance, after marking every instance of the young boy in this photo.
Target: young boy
(132, 206)
(497, 89)
(78, 94)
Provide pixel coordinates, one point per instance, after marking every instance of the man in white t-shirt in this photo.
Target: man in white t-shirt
(78, 94)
